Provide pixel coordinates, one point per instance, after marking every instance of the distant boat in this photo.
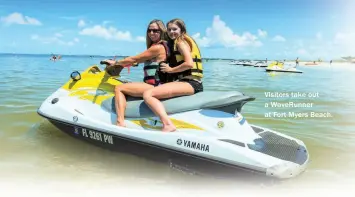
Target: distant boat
(311, 63)
(349, 59)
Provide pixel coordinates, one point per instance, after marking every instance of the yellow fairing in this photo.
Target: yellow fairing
(278, 64)
(197, 69)
(157, 125)
(95, 85)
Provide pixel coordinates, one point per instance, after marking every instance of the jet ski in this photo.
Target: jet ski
(248, 63)
(233, 62)
(236, 62)
(311, 64)
(260, 64)
(279, 67)
(210, 126)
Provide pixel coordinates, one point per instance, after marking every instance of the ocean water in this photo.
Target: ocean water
(33, 151)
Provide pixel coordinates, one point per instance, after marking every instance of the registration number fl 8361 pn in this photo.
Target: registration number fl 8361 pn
(102, 137)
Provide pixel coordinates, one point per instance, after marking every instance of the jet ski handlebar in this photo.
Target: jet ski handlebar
(112, 70)
(104, 62)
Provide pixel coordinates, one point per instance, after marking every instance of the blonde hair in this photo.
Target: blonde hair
(180, 23)
(163, 32)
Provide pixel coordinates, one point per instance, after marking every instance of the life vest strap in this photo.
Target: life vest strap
(176, 53)
(197, 60)
(150, 67)
(197, 70)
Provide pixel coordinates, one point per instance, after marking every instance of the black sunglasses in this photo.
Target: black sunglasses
(153, 30)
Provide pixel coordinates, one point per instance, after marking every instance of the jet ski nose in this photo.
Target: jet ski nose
(285, 170)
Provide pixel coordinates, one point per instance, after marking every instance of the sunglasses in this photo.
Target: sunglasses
(153, 30)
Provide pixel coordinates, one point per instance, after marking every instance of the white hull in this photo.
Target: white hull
(278, 69)
(92, 122)
(209, 125)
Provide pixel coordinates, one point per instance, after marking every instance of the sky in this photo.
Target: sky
(259, 29)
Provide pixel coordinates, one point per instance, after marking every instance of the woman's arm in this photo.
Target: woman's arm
(185, 51)
(150, 53)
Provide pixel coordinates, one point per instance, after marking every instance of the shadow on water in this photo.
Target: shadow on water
(134, 159)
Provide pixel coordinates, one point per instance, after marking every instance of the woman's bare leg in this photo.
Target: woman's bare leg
(168, 90)
(132, 89)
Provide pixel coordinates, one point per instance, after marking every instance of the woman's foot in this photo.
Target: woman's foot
(120, 123)
(169, 128)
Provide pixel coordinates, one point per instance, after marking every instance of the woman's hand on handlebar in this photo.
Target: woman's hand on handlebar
(108, 62)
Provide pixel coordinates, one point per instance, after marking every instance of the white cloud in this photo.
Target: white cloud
(202, 42)
(81, 23)
(262, 33)
(109, 33)
(338, 45)
(278, 38)
(18, 18)
(344, 42)
(54, 39)
(140, 38)
(344, 38)
(221, 34)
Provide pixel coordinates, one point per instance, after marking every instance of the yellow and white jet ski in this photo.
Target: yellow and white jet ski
(209, 124)
(279, 67)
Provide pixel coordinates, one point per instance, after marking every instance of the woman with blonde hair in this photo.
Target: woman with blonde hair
(157, 51)
(184, 72)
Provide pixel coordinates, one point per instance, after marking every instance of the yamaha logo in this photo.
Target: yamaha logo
(75, 118)
(194, 145)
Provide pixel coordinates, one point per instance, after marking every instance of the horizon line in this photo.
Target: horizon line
(218, 58)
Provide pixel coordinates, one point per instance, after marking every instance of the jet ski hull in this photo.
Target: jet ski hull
(151, 151)
(206, 129)
(108, 140)
(281, 70)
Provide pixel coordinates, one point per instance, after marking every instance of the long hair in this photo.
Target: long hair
(163, 32)
(181, 24)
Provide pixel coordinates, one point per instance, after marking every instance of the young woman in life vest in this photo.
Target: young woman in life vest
(184, 72)
(156, 52)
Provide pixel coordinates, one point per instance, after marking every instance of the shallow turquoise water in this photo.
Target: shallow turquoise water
(32, 147)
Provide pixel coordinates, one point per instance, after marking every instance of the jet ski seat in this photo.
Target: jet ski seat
(224, 101)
